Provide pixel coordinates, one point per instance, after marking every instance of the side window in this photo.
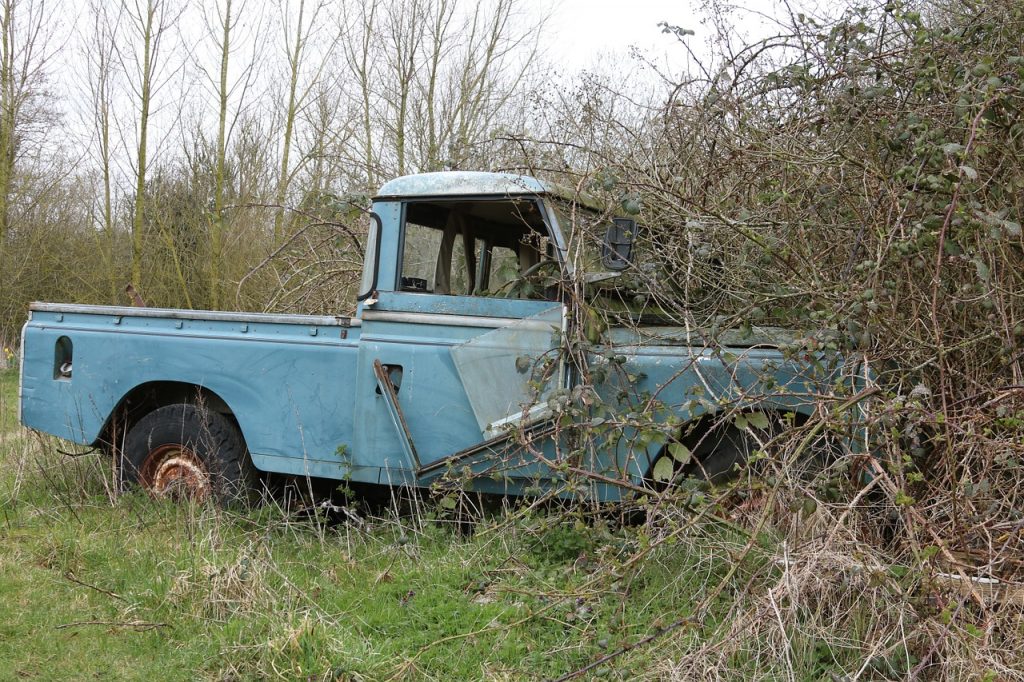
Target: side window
(424, 261)
(419, 257)
(477, 248)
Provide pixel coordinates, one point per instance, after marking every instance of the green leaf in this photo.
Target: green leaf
(904, 500)
(663, 469)
(982, 268)
(740, 421)
(679, 452)
(969, 172)
(448, 502)
(759, 420)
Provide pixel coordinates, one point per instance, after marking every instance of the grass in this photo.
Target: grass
(95, 585)
(100, 586)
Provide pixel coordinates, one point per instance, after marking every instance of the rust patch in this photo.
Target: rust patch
(175, 470)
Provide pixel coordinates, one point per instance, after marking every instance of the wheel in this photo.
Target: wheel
(187, 451)
(718, 456)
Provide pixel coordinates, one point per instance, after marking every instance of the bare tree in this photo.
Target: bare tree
(224, 21)
(140, 56)
(99, 59)
(327, 129)
(434, 79)
(361, 63)
(25, 32)
(299, 31)
(494, 63)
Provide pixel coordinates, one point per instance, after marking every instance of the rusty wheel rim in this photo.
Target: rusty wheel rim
(176, 471)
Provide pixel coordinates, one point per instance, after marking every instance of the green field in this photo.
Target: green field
(94, 585)
(98, 585)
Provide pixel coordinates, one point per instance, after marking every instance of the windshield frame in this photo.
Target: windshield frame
(563, 212)
(368, 282)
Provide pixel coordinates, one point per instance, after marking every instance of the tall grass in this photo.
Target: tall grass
(125, 586)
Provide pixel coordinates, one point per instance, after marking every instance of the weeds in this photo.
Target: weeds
(751, 587)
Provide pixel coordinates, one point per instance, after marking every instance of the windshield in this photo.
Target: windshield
(584, 231)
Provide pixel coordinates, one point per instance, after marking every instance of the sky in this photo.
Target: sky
(594, 35)
(582, 31)
(585, 29)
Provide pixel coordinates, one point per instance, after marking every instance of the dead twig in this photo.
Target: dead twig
(114, 595)
(136, 624)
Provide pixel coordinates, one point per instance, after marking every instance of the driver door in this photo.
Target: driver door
(450, 365)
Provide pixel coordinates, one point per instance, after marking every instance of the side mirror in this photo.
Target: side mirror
(617, 250)
(371, 268)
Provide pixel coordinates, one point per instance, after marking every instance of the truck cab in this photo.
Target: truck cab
(463, 310)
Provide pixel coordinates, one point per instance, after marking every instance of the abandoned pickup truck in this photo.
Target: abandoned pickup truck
(461, 357)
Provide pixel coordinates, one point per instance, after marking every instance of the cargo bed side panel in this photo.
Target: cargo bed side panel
(288, 385)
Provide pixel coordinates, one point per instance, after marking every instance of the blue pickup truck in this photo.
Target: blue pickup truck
(475, 348)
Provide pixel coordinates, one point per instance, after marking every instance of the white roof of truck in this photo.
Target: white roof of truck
(462, 183)
(478, 183)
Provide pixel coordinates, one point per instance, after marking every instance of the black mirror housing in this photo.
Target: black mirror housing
(617, 250)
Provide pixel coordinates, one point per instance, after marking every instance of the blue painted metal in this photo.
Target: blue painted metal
(308, 401)
(285, 385)
(387, 389)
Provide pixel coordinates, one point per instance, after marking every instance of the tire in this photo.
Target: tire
(718, 456)
(187, 451)
(721, 455)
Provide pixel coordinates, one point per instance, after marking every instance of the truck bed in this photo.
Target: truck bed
(280, 375)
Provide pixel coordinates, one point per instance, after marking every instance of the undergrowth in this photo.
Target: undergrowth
(125, 587)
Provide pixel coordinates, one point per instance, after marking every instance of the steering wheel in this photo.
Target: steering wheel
(514, 286)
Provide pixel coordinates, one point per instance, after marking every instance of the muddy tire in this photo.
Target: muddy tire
(719, 456)
(187, 451)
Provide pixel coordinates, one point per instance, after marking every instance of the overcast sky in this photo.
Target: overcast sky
(582, 30)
